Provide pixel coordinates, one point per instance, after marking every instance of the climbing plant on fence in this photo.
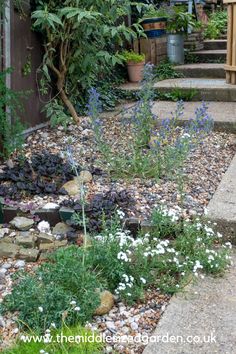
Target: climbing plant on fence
(80, 39)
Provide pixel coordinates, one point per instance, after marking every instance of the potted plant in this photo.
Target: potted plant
(177, 25)
(135, 65)
(154, 21)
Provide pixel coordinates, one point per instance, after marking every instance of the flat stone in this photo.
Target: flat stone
(222, 207)
(8, 250)
(27, 254)
(22, 223)
(44, 247)
(26, 241)
(45, 238)
(51, 206)
(61, 229)
(59, 244)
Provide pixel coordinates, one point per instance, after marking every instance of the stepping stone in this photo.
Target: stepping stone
(207, 308)
(222, 207)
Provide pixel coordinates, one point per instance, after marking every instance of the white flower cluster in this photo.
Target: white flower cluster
(173, 214)
(75, 308)
(196, 267)
(127, 283)
(44, 227)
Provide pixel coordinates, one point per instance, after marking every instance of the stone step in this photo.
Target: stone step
(222, 207)
(212, 44)
(207, 56)
(205, 89)
(202, 70)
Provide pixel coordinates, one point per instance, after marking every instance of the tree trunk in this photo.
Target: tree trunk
(65, 99)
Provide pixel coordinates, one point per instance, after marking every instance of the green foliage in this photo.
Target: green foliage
(217, 25)
(131, 56)
(82, 40)
(165, 70)
(180, 22)
(56, 113)
(11, 128)
(28, 344)
(178, 94)
(48, 293)
(151, 11)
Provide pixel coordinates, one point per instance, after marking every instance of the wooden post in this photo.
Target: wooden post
(230, 66)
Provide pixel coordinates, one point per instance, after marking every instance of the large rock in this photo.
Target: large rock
(27, 254)
(61, 229)
(26, 241)
(8, 250)
(107, 302)
(22, 223)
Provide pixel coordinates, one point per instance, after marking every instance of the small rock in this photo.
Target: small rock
(49, 206)
(10, 163)
(59, 244)
(110, 325)
(107, 302)
(22, 223)
(3, 231)
(61, 229)
(19, 264)
(6, 265)
(45, 238)
(134, 326)
(85, 176)
(72, 187)
(2, 322)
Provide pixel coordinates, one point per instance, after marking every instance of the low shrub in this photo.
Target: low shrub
(217, 25)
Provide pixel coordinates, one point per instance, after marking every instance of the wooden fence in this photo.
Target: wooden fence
(230, 66)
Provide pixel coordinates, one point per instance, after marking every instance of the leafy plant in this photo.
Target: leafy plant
(165, 70)
(131, 56)
(55, 112)
(11, 129)
(217, 25)
(152, 11)
(77, 38)
(180, 22)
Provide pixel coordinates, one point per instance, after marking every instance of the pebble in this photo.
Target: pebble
(20, 264)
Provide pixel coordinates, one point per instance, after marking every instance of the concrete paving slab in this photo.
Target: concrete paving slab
(222, 207)
(223, 113)
(206, 311)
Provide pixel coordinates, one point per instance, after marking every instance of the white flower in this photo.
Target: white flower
(77, 308)
(228, 244)
(42, 351)
(40, 308)
(73, 302)
(219, 235)
(122, 256)
(121, 214)
(44, 227)
(143, 280)
(53, 325)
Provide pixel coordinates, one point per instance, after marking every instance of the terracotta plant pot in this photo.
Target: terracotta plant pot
(135, 71)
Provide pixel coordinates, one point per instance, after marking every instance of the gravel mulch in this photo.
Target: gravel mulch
(203, 169)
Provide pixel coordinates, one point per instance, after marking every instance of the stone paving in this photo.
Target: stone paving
(207, 308)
